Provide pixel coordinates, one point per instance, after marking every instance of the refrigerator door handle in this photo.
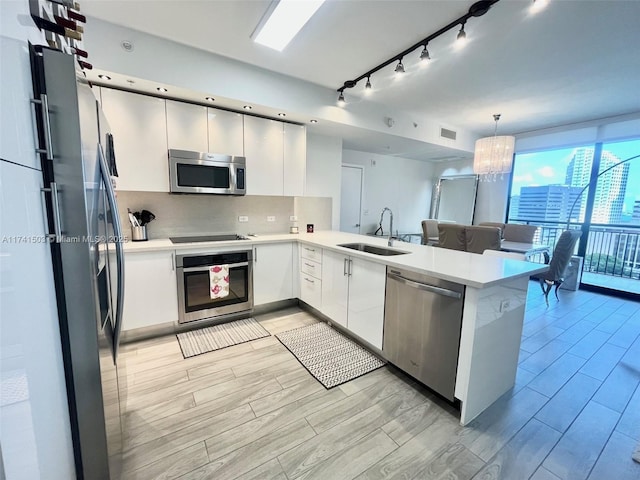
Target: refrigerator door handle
(117, 230)
(44, 110)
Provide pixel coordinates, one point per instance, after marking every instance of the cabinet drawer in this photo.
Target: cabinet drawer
(311, 253)
(311, 290)
(311, 267)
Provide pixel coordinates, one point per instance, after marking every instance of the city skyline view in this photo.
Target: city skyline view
(553, 167)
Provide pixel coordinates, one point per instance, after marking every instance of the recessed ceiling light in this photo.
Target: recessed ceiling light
(282, 21)
(161, 89)
(247, 107)
(104, 77)
(210, 99)
(313, 121)
(282, 114)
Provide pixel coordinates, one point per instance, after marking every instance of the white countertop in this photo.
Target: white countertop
(466, 268)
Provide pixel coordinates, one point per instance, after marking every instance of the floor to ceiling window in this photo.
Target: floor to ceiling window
(578, 188)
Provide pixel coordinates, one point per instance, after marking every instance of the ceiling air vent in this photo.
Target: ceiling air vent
(446, 133)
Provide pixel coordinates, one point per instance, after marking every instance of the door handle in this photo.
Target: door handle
(350, 267)
(44, 109)
(344, 267)
(55, 205)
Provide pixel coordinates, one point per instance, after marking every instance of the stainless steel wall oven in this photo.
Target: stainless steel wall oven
(194, 298)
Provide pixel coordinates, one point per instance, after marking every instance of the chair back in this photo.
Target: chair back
(478, 239)
(493, 224)
(451, 236)
(562, 253)
(519, 233)
(429, 231)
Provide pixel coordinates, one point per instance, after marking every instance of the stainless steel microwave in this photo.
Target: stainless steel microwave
(201, 172)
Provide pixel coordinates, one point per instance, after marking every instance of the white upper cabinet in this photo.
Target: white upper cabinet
(139, 127)
(226, 132)
(263, 148)
(295, 159)
(187, 126)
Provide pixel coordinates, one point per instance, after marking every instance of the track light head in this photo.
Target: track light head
(399, 67)
(425, 54)
(462, 35)
(341, 100)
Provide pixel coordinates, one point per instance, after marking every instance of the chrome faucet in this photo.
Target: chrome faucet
(386, 209)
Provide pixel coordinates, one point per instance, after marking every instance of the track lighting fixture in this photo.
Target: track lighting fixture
(341, 100)
(368, 85)
(476, 10)
(425, 54)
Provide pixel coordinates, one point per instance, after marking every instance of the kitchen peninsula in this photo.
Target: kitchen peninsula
(494, 297)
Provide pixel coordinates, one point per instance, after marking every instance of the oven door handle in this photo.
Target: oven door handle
(203, 269)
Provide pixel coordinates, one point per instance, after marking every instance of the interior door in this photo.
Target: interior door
(351, 199)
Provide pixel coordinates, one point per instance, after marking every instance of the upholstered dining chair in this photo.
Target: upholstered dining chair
(478, 239)
(429, 231)
(493, 224)
(451, 236)
(560, 259)
(514, 232)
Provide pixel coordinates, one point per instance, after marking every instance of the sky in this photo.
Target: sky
(549, 167)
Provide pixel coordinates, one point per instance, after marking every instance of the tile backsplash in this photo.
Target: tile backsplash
(178, 215)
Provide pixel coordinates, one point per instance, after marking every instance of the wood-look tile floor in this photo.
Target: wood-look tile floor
(253, 412)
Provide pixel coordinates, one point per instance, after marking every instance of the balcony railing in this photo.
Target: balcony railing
(611, 251)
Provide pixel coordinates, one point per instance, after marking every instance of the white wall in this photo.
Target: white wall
(402, 184)
(34, 419)
(324, 160)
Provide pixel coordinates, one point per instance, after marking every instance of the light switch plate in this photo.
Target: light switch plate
(243, 218)
(271, 218)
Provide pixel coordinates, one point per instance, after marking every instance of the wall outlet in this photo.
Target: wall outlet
(271, 218)
(243, 218)
(504, 305)
(293, 218)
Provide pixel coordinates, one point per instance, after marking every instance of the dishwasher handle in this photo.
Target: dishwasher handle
(424, 286)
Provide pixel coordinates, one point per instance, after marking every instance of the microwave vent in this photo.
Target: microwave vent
(446, 133)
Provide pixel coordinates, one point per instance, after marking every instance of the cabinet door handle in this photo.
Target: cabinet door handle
(255, 255)
(350, 267)
(309, 265)
(173, 265)
(310, 249)
(344, 267)
(310, 281)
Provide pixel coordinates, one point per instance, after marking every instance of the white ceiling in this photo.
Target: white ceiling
(572, 62)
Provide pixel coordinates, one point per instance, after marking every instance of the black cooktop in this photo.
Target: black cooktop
(207, 238)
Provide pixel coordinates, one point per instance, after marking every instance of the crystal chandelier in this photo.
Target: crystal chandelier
(493, 155)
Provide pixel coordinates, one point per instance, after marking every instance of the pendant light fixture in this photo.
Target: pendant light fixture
(493, 155)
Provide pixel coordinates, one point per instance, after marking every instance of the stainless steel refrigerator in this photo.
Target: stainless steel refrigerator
(77, 154)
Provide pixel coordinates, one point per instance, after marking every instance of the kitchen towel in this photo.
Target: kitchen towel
(219, 281)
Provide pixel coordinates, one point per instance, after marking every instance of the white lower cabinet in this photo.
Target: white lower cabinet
(272, 273)
(151, 294)
(353, 295)
(335, 286)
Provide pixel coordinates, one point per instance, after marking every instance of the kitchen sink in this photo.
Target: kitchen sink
(363, 247)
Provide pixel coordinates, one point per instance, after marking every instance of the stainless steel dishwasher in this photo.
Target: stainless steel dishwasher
(423, 318)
